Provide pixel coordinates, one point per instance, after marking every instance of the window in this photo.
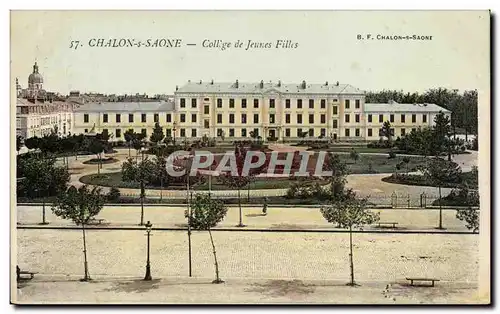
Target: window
(335, 110)
(183, 132)
(193, 132)
(311, 118)
(403, 132)
(311, 132)
(193, 118)
(118, 133)
(381, 118)
(206, 123)
(219, 103)
(391, 118)
(256, 103)
(380, 132)
(347, 133)
(370, 132)
(231, 103)
(144, 132)
(86, 130)
(272, 118)
(392, 131)
(357, 118)
(105, 118)
(243, 132)
(323, 103)
(347, 104)
(322, 133)
(183, 103)
(323, 118)
(206, 99)
(193, 103)
(271, 103)
(231, 132)
(403, 118)
(335, 124)
(243, 103)
(424, 118)
(143, 117)
(169, 117)
(311, 103)
(287, 103)
(356, 103)
(299, 132)
(287, 132)
(369, 118)
(299, 118)
(206, 109)
(256, 118)
(243, 118)
(85, 118)
(299, 103)
(183, 117)
(414, 118)
(168, 132)
(219, 132)
(347, 118)
(231, 118)
(156, 117)
(219, 118)
(118, 117)
(256, 132)
(131, 117)
(357, 132)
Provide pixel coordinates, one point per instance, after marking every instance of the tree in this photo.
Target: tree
(42, 178)
(348, 213)
(339, 172)
(205, 214)
(439, 172)
(469, 214)
(19, 143)
(129, 136)
(406, 161)
(80, 205)
(354, 155)
(32, 142)
(96, 147)
(237, 181)
(157, 135)
(441, 135)
(386, 131)
(254, 135)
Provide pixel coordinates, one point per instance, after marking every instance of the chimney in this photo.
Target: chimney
(236, 84)
(326, 83)
(337, 84)
(189, 81)
(279, 83)
(262, 84)
(176, 87)
(200, 82)
(303, 84)
(212, 82)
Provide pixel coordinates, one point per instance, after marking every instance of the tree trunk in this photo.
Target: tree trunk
(248, 196)
(161, 188)
(466, 135)
(217, 279)
(352, 283)
(239, 205)
(129, 150)
(86, 276)
(98, 164)
(440, 211)
(142, 203)
(44, 222)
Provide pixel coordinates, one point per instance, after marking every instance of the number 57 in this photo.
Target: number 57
(74, 44)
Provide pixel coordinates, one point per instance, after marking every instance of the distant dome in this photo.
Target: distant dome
(35, 77)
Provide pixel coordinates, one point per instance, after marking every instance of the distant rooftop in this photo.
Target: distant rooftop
(397, 107)
(149, 106)
(262, 88)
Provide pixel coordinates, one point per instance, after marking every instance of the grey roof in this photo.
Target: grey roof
(254, 88)
(149, 106)
(397, 107)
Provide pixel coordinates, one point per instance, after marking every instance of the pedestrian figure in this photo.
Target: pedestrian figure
(264, 208)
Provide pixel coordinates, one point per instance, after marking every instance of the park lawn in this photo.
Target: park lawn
(348, 149)
(379, 163)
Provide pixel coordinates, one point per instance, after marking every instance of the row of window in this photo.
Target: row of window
(118, 118)
(403, 118)
(272, 103)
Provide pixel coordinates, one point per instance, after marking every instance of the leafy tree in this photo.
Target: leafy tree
(113, 195)
(354, 155)
(237, 181)
(138, 143)
(157, 135)
(129, 136)
(439, 172)
(441, 134)
(96, 147)
(42, 178)
(348, 213)
(80, 205)
(406, 161)
(339, 172)
(470, 215)
(19, 143)
(205, 214)
(386, 131)
(32, 142)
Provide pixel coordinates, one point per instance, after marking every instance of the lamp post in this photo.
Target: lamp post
(143, 192)
(190, 200)
(174, 129)
(148, 265)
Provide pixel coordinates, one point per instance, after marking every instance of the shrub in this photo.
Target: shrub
(392, 155)
(113, 195)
